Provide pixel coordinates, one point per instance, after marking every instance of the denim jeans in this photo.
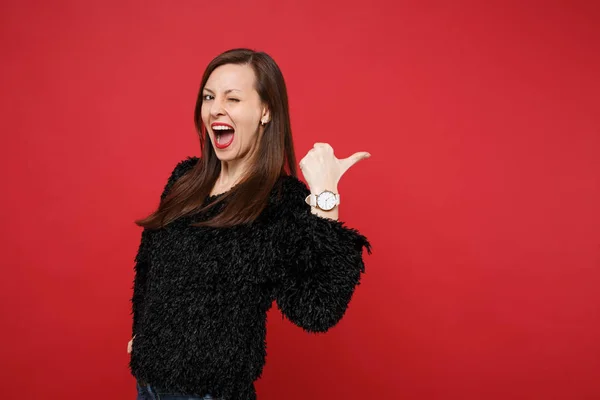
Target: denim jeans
(149, 392)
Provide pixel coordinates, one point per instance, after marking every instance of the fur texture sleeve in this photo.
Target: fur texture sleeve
(141, 267)
(319, 262)
(142, 261)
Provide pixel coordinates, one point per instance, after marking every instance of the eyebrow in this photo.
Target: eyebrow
(227, 91)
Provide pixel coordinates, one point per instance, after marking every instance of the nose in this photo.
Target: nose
(216, 107)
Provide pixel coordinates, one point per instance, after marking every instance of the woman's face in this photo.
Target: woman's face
(232, 111)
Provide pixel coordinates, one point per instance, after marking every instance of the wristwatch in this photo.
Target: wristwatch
(326, 200)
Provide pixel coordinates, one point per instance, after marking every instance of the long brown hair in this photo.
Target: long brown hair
(275, 152)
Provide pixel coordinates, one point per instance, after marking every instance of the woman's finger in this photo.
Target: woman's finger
(346, 163)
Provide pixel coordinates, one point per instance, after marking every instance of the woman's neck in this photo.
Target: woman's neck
(230, 175)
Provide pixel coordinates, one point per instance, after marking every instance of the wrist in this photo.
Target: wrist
(332, 214)
(325, 200)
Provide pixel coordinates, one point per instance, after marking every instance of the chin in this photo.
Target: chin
(225, 155)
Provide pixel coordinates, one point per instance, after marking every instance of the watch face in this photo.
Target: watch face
(326, 200)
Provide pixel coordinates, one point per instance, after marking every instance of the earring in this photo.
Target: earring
(263, 122)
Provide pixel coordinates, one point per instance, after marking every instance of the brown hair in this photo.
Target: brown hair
(275, 152)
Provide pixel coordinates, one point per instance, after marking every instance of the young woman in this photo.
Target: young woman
(234, 231)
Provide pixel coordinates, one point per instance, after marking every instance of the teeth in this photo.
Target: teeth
(221, 128)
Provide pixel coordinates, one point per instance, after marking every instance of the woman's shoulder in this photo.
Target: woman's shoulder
(288, 195)
(291, 182)
(291, 187)
(180, 169)
(184, 165)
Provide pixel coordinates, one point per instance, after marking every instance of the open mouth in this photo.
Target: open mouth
(223, 135)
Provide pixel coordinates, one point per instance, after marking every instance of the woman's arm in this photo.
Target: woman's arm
(141, 267)
(319, 262)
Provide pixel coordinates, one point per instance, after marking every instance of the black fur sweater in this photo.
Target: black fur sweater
(201, 295)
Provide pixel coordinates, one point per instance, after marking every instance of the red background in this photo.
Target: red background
(480, 198)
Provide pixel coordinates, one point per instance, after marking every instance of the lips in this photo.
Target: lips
(223, 133)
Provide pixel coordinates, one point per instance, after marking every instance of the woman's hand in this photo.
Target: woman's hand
(322, 170)
(130, 344)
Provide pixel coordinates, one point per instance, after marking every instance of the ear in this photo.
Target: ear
(266, 114)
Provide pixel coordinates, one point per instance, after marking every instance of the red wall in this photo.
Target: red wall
(480, 198)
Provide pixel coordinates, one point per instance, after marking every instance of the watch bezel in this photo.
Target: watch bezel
(321, 194)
